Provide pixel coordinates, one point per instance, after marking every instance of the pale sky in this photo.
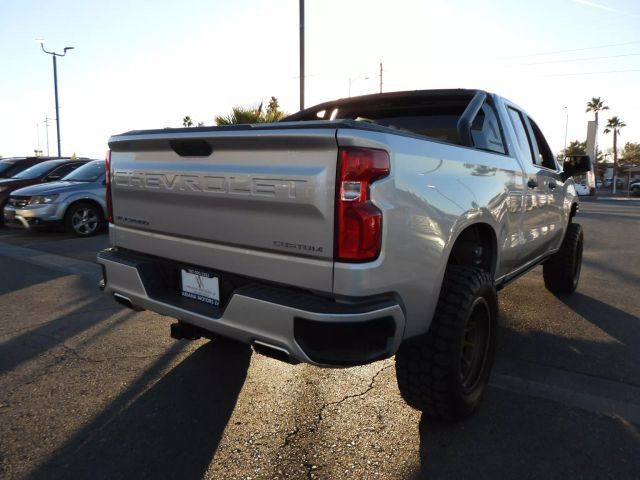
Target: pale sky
(147, 64)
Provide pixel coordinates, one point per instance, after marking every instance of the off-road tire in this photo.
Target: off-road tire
(429, 368)
(561, 271)
(87, 230)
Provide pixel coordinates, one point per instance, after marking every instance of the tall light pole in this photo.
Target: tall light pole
(301, 54)
(54, 55)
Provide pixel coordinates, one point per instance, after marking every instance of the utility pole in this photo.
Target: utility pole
(46, 124)
(566, 126)
(380, 77)
(38, 136)
(301, 54)
(55, 86)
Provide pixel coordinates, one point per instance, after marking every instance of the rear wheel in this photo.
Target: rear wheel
(83, 219)
(444, 373)
(561, 271)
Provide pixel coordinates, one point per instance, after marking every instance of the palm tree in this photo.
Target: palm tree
(614, 124)
(252, 114)
(187, 122)
(238, 115)
(596, 105)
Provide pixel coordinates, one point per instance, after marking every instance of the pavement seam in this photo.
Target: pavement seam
(68, 352)
(40, 324)
(574, 398)
(52, 261)
(570, 372)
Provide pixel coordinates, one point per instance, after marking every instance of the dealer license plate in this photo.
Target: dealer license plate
(201, 286)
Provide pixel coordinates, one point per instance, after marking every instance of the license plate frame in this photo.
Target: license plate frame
(200, 285)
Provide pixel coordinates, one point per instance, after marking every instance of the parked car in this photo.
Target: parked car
(14, 165)
(47, 171)
(583, 189)
(77, 202)
(608, 183)
(634, 188)
(347, 233)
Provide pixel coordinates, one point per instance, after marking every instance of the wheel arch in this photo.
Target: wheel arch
(476, 245)
(573, 211)
(88, 200)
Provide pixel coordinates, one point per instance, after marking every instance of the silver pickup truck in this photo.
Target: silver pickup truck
(347, 233)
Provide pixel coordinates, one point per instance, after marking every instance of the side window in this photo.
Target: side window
(485, 130)
(60, 172)
(521, 134)
(542, 152)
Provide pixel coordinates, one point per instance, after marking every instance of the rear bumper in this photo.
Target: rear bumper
(308, 327)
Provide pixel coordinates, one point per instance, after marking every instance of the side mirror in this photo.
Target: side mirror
(575, 165)
(52, 178)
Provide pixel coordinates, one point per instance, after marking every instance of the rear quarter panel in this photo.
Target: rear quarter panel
(434, 191)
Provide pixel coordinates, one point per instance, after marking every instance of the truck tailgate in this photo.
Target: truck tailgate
(258, 202)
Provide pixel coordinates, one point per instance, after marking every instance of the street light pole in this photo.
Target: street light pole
(55, 86)
(301, 54)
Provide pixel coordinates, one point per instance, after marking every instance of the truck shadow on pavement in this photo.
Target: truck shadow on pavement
(36, 341)
(621, 325)
(517, 435)
(171, 430)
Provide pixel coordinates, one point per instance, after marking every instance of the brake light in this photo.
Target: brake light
(358, 220)
(108, 183)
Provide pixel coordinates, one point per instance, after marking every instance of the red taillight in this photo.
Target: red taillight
(358, 222)
(108, 183)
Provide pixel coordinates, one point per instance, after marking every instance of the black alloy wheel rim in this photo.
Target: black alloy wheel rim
(475, 345)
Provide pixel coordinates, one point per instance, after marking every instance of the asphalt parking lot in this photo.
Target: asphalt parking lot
(91, 390)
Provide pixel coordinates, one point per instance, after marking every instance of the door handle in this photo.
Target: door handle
(532, 183)
(552, 185)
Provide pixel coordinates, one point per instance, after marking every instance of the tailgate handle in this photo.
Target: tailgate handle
(191, 148)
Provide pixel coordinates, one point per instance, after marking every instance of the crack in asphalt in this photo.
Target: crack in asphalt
(355, 395)
(313, 425)
(67, 353)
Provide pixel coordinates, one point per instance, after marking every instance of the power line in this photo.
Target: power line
(575, 60)
(575, 50)
(589, 73)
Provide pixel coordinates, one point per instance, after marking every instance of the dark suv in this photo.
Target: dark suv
(14, 165)
(46, 171)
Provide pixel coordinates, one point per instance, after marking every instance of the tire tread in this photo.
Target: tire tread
(424, 364)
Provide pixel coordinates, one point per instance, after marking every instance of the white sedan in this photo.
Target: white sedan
(583, 190)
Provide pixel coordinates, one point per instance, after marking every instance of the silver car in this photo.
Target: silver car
(77, 202)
